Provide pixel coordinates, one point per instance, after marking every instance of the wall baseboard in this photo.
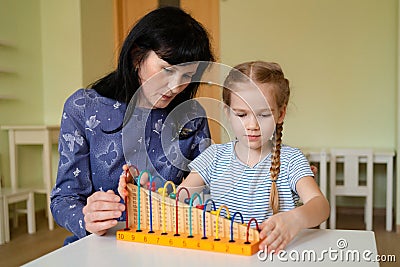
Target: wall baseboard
(359, 211)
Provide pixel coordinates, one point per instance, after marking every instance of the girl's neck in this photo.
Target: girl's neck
(250, 156)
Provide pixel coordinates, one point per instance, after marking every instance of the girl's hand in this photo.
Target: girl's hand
(127, 177)
(277, 231)
(101, 211)
(314, 169)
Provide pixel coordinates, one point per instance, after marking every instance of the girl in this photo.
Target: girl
(84, 198)
(255, 174)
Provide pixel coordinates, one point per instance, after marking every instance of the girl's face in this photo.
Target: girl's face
(253, 114)
(161, 82)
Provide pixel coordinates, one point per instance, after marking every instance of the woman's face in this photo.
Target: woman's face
(161, 82)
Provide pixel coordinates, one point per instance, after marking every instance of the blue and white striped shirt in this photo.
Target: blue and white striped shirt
(246, 189)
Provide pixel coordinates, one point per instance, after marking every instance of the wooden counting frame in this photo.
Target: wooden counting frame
(151, 219)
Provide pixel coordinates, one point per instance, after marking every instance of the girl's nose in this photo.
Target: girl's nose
(252, 122)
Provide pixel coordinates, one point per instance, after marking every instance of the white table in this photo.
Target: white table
(44, 135)
(107, 251)
(380, 157)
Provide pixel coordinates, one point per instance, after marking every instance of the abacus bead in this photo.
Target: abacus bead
(187, 200)
(172, 195)
(161, 190)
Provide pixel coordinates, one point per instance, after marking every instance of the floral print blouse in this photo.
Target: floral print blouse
(92, 154)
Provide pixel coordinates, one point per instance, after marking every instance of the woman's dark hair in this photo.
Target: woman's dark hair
(174, 36)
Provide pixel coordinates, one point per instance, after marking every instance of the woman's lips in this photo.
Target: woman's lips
(165, 97)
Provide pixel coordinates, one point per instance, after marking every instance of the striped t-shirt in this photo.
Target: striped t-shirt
(246, 189)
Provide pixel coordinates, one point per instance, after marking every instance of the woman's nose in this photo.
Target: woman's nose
(174, 82)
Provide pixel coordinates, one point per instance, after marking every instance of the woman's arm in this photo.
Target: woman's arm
(73, 185)
(73, 203)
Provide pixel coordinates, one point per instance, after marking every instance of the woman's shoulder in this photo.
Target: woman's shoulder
(191, 109)
(83, 97)
(197, 107)
(80, 97)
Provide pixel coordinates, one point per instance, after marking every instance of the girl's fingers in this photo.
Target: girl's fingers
(134, 172)
(266, 227)
(144, 179)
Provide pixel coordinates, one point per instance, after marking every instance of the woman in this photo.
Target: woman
(94, 122)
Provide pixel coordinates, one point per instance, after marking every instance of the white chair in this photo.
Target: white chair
(352, 185)
(321, 176)
(43, 135)
(12, 196)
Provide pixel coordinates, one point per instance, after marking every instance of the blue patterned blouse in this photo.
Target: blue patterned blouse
(91, 158)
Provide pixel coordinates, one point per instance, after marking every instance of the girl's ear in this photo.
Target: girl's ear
(282, 114)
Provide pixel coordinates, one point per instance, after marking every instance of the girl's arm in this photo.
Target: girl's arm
(281, 228)
(315, 209)
(193, 182)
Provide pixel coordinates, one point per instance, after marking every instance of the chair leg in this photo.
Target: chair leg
(30, 210)
(2, 237)
(368, 213)
(15, 215)
(332, 218)
(49, 215)
(6, 221)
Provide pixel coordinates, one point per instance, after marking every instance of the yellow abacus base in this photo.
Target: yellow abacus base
(183, 241)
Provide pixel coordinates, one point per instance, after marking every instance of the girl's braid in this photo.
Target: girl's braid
(275, 167)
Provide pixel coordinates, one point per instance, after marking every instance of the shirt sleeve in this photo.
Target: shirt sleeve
(299, 167)
(73, 185)
(202, 139)
(204, 164)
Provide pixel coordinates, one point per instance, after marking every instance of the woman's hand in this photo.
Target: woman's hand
(277, 231)
(101, 211)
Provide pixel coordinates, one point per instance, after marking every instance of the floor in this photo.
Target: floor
(24, 247)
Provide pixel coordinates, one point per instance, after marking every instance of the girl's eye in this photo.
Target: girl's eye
(240, 114)
(266, 115)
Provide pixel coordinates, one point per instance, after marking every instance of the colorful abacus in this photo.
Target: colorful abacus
(154, 218)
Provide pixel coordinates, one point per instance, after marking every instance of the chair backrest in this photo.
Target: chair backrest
(351, 159)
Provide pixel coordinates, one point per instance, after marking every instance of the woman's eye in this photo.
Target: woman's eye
(187, 76)
(168, 70)
(240, 114)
